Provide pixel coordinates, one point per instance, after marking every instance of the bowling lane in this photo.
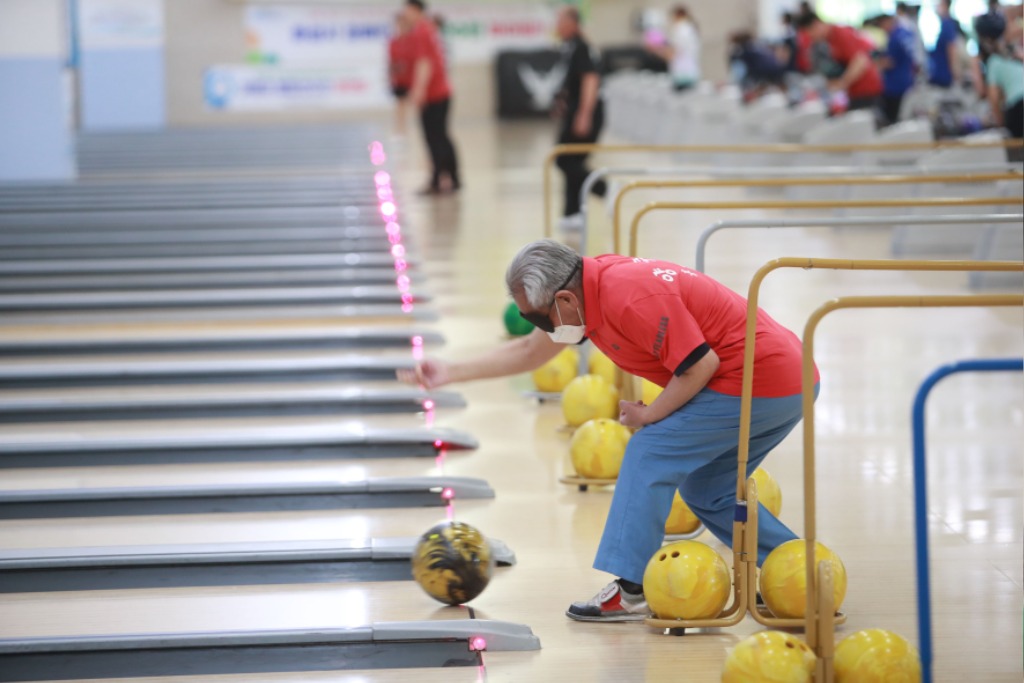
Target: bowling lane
(230, 608)
(155, 336)
(184, 429)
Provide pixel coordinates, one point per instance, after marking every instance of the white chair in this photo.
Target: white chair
(957, 240)
(802, 118)
(854, 128)
(915, 130)
(1002, 242)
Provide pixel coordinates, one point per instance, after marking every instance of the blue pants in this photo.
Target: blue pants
(693, 450)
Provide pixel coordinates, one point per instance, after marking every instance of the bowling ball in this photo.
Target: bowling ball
(769, 657)
(515, 324)
(681, 519)
(649, 391)
(601, 365)
(452, 562)
(554, 375)
(876, 656)
(589, 397)
(784, 578)
(597, 448)
(687, 580)
(768, 492)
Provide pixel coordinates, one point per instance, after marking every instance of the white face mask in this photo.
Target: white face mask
(567, 334)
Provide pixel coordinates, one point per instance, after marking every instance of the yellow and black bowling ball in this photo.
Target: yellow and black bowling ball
(452, 562)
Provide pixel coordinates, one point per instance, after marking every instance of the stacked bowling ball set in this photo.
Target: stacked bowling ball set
(689, 580)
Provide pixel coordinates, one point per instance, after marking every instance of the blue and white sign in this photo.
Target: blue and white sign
(245, 87)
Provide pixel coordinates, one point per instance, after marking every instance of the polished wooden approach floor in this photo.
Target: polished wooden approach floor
(871, 363)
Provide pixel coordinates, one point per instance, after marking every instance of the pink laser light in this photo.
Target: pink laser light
(377, 156)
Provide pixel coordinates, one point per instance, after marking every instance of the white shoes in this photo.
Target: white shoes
(611, 604)
(573, 223)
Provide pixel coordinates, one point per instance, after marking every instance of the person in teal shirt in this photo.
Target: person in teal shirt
(1004, 75)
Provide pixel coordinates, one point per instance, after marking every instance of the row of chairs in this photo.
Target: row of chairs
(643, 110)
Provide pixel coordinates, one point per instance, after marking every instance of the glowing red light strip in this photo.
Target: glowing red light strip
(389, 213)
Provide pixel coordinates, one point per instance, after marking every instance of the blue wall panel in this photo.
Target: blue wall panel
(122, 89)
(35, 142)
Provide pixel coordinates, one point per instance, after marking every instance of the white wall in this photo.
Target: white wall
(32, 28)
(205, 32)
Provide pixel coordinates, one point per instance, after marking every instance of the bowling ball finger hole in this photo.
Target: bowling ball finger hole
(663, 557)
(789, 645)
(675, 554)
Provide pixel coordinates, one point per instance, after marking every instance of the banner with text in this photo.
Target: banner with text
(323, 35)
(246, 87)
(335, 57)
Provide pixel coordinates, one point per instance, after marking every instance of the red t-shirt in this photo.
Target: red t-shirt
(426, 44)
(844, 44)
(648, 316)
(400, 58)
(803, 52)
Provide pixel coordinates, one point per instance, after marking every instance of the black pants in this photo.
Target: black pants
(434, 117)
(862, 103)
(1013, 119)
(891, 108)
(574, 166)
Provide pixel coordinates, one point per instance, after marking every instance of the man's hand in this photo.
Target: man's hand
(558, 108)
(633, 415)
(581, 124)
(430, 374)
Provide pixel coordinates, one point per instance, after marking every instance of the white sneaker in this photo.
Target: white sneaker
(611, 604)
(573, 223)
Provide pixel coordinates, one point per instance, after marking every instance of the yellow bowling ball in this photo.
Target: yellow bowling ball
(681, 519)
(554, 375)
(589, 397)
(649, 391)
(876, 656)
(601, 365)
(687, 580)
(768, 492)
(769, 657)
(784, 578)
(452, 562)
(597, 448)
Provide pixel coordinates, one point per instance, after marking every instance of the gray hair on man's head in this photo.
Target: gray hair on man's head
(540, 268)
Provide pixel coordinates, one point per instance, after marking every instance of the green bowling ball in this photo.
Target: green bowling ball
(514, 323)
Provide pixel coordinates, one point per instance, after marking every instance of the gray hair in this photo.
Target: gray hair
(539, 268)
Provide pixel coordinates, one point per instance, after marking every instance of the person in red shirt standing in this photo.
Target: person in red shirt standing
(843, 57)
(431, 94)
(683, 331)
(400, 65)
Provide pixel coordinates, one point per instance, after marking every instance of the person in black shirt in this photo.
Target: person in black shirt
(580, 108)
